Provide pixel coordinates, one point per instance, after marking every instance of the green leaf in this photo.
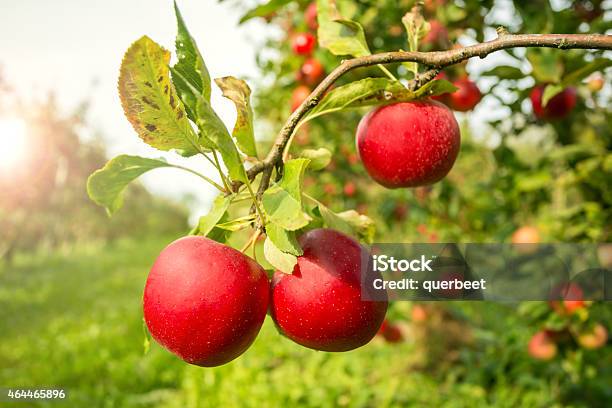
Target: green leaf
(319, 158)
(349, 222)
(212, 127)
(545, 64)
(237, 224)
(365, 92)
(218, 210)
(550, 91)
(189, 74)
(150, 101)
(283, 201)
(576, 76)
(416, 28)
(504, 72)
(239, 92)
(105, 186)
(146, 342)
(454, 13)
(533, 181)
(340, 36)
(282, 261)
(264, 10)
(284, 240)
(435, 87)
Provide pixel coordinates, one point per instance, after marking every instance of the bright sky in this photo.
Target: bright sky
(74, 48)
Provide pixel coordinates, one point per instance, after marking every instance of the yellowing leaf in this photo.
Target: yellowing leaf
(339, 35)
(150, 101)
(239, 92)
(282, 261)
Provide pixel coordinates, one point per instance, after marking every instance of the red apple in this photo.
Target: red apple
(349, 189)
(432, 5)
(408, 144)
(303, 43)
(437, 36)
(329, 188)
(558, 107)
(298, 96)
(205, 301)
(541, 346)
(418, 313)
(319, 305)
(466, 97)
(595, 83)
(310, 16)
(400, 211)
(390, 332)
(572, 295)
(526, 235)
(594, 338)
(588, 10)
(311, 72)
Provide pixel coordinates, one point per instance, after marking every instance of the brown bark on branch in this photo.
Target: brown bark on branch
(435, 61)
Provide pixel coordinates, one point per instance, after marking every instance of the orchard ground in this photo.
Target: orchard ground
(58, 327)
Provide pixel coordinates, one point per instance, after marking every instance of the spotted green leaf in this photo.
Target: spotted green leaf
(150, 101)
(189, 74)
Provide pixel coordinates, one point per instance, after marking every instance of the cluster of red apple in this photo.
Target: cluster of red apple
(206, 302)
(312, 71)
(465, 98)
(543, 345)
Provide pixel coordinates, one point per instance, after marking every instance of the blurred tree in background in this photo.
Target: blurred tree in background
(44, 202)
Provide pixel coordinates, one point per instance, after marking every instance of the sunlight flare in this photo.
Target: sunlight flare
(13, 142)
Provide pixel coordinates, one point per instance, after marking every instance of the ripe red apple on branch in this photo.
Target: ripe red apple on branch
(466, 97)
(310, 16)
(542, 346)
(558, 107)
(408, 144)
(205, 301)
(319, 305)
(311, 72)
(303, 43)
(298, 96)
(593, 338)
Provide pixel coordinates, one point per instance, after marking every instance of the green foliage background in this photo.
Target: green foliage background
(72, 317)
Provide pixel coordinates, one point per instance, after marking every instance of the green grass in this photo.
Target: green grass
(74, 320)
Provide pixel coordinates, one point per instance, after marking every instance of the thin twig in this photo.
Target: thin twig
(217, 186)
